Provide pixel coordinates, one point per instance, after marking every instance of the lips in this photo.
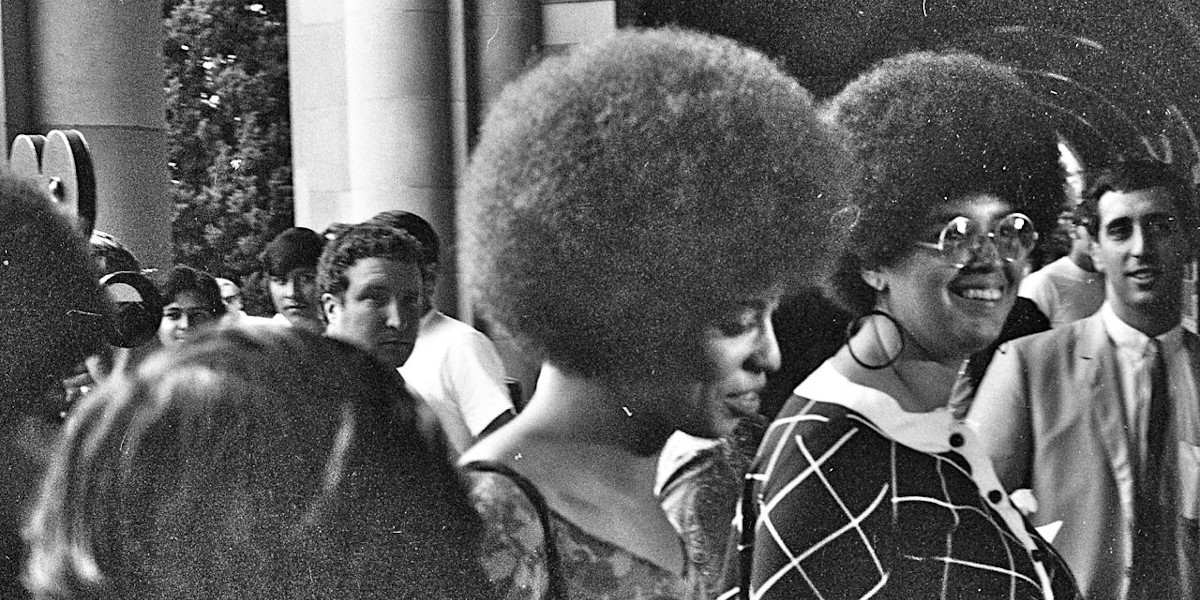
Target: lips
(1146, 275)
(744, 404)
(987, 289)
(395, 342)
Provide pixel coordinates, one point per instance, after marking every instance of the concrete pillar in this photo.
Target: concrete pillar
(570, 22)
(398, 108)
(502, 37)
(317, 77)
(16, 115)
(97, 67)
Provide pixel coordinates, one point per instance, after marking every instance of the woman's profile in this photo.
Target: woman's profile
(638, 206)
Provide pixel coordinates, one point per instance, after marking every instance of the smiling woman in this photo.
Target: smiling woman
(193, 301)
(866, 483)
(638, 207)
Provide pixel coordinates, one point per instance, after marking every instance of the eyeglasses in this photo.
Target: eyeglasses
(1012, 236)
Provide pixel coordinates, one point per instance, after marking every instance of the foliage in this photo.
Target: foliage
(228, 130)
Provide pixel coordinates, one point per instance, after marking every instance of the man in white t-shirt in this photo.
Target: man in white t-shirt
(1069, 288)
(454, 368)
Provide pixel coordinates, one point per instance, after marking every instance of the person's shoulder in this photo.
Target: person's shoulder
(1034, 281)
(821, 426)
(513, 550)
(500, 495)
(452, 335)
(245, 320)
(1052, 340)
(443, 324)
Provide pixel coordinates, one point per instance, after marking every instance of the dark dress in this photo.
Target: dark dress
(852, 497)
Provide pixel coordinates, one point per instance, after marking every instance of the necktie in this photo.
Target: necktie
(1154, 564)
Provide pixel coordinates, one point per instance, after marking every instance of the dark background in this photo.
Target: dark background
(1118, 77)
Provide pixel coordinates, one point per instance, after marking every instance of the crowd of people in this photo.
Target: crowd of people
(635, 211)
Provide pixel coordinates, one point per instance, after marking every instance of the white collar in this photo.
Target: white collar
(1125, 336)
(927, 432)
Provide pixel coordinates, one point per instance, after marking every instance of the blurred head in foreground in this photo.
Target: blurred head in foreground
(254, 463)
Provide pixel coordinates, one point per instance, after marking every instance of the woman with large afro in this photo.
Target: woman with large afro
(866, 484)
(635, 208)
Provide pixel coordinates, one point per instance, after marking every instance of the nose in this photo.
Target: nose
(1138, 242)
(400, 315)
(184, 322)
(986, 251)
(289, 287)
(766, 356)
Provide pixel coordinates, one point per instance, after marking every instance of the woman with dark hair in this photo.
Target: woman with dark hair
(866, 485)
(250, 463)
(636, 207)
(191, 299)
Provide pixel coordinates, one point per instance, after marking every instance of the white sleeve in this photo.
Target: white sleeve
(474, 374)
(1040, 289)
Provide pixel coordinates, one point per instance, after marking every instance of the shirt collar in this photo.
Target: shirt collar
(928, 431)
(1125, 336)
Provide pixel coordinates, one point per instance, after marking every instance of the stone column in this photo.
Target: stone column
(500, 39)
(569, 22)
(16, 116)
(317, 78)
(97, 66)
(398, 109)
(503, 37)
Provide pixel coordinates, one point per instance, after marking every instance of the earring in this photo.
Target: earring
(856, 325)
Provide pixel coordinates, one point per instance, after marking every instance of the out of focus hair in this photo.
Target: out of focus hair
(260, 462)
(52, 310)
(182, 278)
(625, 192)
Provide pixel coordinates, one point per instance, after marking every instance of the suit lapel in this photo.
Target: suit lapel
(1098, 377)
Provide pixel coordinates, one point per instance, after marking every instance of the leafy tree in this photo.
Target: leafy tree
(228, 131)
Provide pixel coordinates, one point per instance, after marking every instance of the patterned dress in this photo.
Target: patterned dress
(852, 497)
(515, 556)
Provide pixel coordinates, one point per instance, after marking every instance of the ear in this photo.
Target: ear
(331, 306)
(875, 279)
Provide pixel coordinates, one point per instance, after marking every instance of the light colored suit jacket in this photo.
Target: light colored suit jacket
(1050, 413)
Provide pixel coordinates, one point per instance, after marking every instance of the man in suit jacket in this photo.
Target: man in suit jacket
(1068, 413)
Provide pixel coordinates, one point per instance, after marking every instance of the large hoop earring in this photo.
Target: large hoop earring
(856, 325)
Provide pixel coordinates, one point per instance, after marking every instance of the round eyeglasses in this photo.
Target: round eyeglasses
(962, 238)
